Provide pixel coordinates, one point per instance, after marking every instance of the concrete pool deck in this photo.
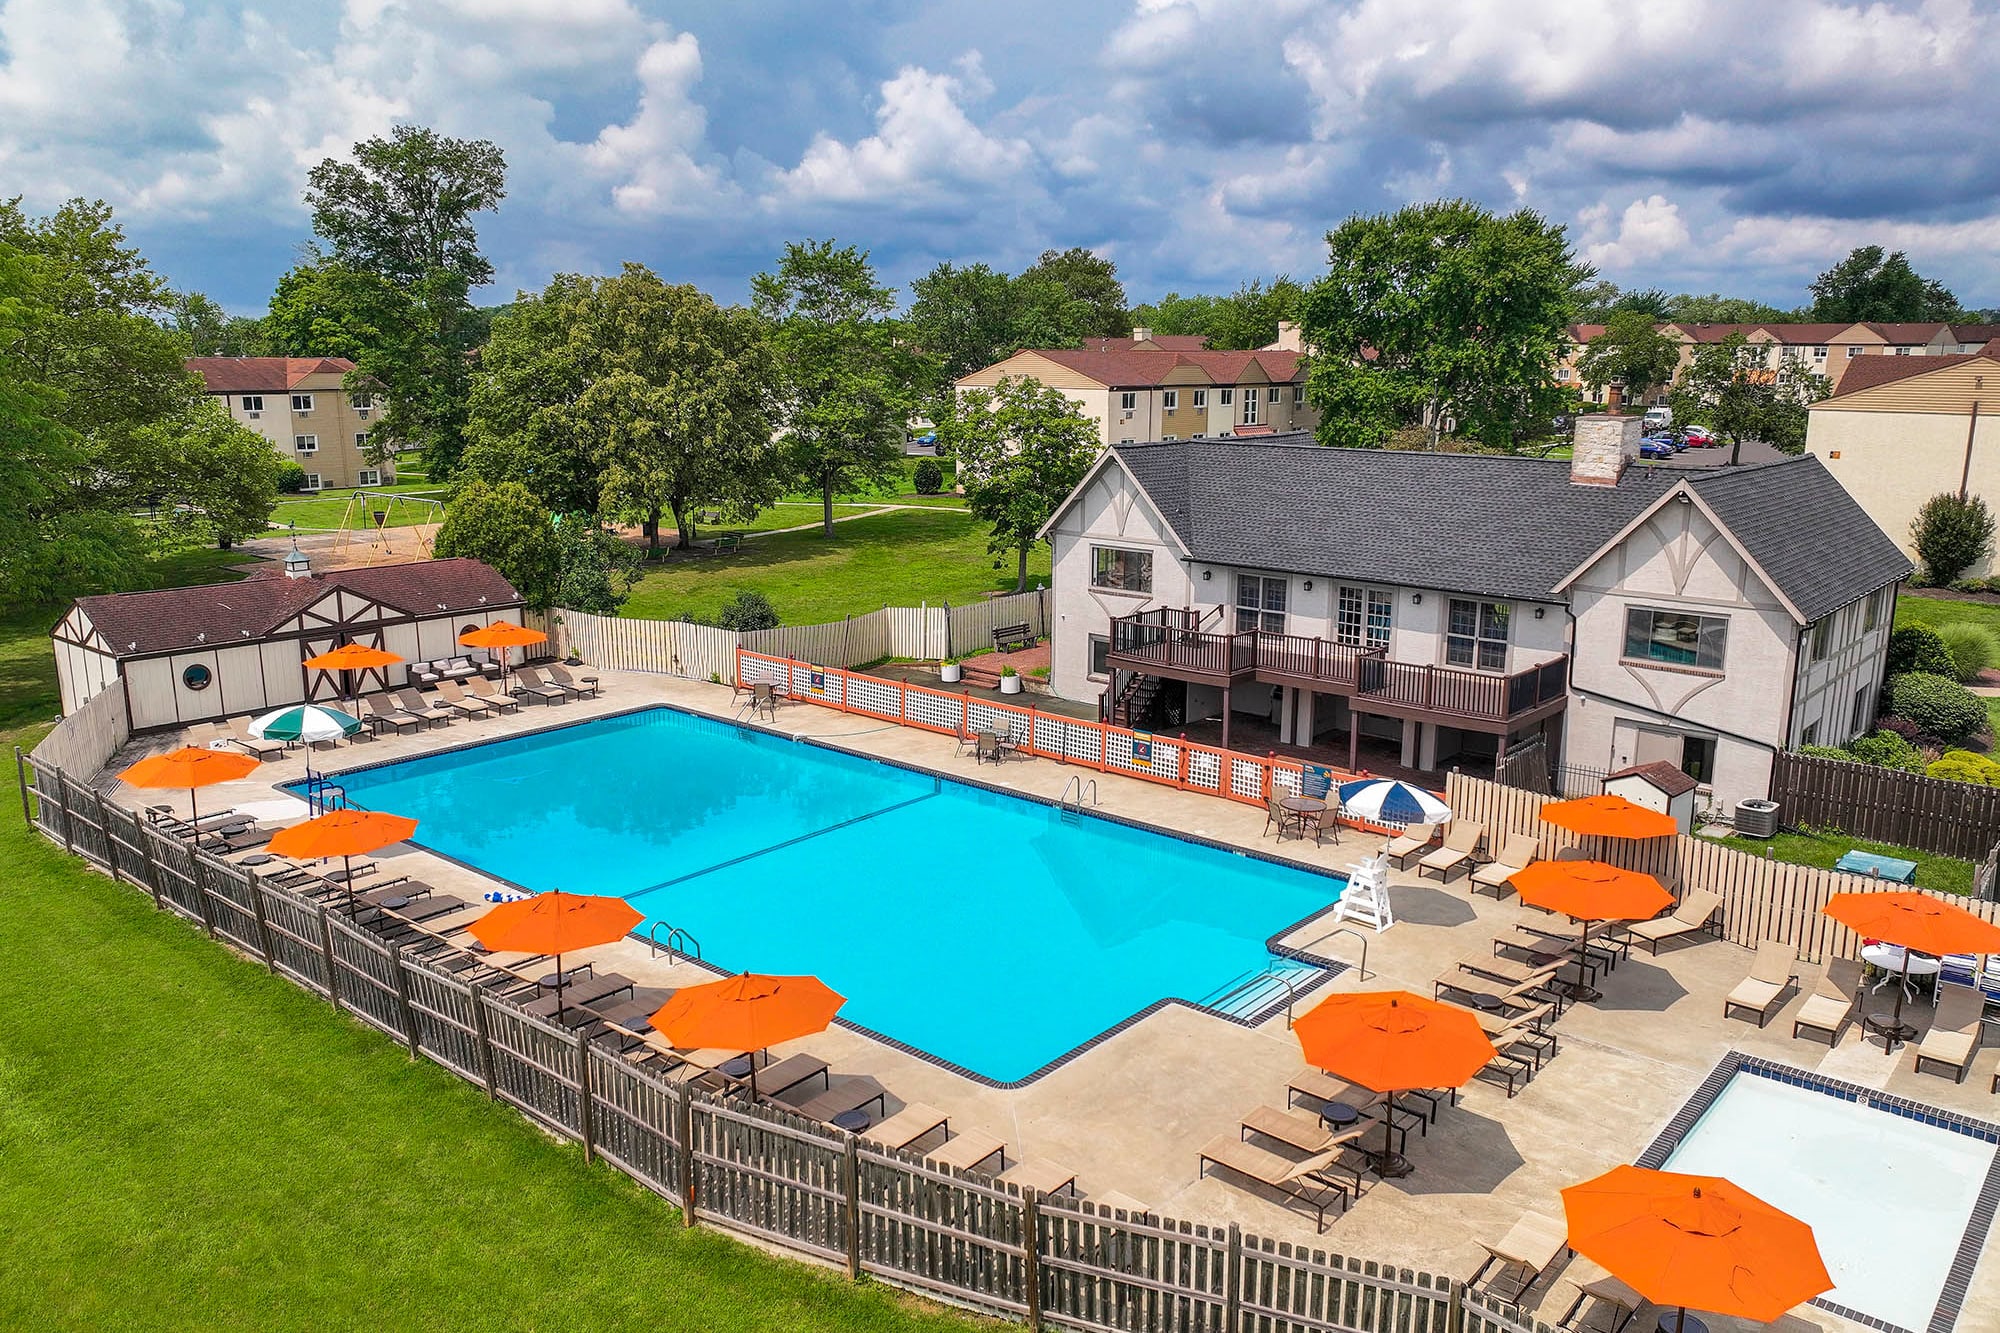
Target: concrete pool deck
(1130, 1114)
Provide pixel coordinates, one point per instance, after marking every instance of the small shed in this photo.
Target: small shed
(184, 655)
(1657, 786)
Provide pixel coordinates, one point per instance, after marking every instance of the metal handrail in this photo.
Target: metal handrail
(1082, 788)
(690, 947)
(1342, 930)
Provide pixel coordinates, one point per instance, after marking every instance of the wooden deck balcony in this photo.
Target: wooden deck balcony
(1170, 642)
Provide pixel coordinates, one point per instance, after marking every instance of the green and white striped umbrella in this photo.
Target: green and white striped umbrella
(305, 722)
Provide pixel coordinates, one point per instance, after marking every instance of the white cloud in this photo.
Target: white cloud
(1649, 230)
(652, 156)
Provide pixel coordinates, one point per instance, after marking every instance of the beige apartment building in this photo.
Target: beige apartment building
(302, 406)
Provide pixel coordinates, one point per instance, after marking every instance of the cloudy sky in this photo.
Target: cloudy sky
(1690, 144)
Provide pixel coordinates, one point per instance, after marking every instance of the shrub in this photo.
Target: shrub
(291, 476)
(1826, 752)
(1886, 749)
(1941, 706)
(1951, 535)
(1968, 585)
(1973, 648)
(1965, 766)
(929, 477)
(1920, 648)
(1993, 583)
(748, 610)
(1899, 726)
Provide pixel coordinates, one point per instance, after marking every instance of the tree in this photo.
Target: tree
(1178, 316)
(1022, 448)
(844, 384)
(1951, 534)
(218, 470)
(522, 422)
(1631, 350)
(1715, 308)
(209, 330)
(1729, 386)
(1076, 290)
(594, 571)
(1441, 314)
(321, 307)
(1867, 285)
(509, 529)
(963, 319)
(1245, 319)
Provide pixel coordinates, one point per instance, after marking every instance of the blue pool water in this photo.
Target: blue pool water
(985, 930)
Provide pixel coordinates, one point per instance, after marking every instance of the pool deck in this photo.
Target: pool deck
(1130, 1114)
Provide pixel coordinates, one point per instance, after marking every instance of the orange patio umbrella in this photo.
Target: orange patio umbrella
(747, 1013)
(1391, 1042)
(502, 634)
(1609, 816)
(353, 657)
(1917, 922)
(190, 766)
(345, 834)
(556, 922)
(1588, 891)
(1695, 1242)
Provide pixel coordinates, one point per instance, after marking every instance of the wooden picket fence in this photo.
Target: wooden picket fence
(1047, 1261)
(1934, 815)
(1761, 898)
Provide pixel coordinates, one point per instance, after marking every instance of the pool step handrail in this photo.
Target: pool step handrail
(677, 941)
(1084, 788)
(1343, 930)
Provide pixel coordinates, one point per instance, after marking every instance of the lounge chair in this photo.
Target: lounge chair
(457, 699)
(533, 676)
(1776, 968)
(384, 712)
(485, 691)
(1510, 970)
(1521, 851)
(417, 706)
(585, 686)
(529, 684)
(1523, 1254)
(794, 1071)
(576, 995)
(1511, 998)
(1041, 1177)
(1832, 1001)
(1690, 914)
(201, 735)
(1461, 843)
(1408, 843)
(239, 736)
(969, 1151)
(1307, 1134)
(1616, 1301)
(907, 1126)
(844, 1099)
(1301, 1179)
(1954, 1036)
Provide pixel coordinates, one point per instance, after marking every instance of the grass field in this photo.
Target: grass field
(1943, 873)
(901, 557)
(1916, 609)
(901, 489)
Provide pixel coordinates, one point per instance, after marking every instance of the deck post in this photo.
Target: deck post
(684, 1141)
(1232, 1308)
(850, 1188)
(585, 1121)
(485, 1039)
(1031, 1257)
(1225, 717)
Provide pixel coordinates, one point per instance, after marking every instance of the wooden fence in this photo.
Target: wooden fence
(1049, 1262)
(1761, 898)
(1931, 814)
(85, 740)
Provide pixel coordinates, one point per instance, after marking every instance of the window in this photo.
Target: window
(1562, 374)
(1271, 394)
(1698, 757)
(368, 476)
(360, 439)
(1364, 617)
(1128, 401)
(1822, 638)
(312, 482)
(1476, 635)
(306, 444)
(1864, 710)
(1228, 397)
(1260, 602)
(1100, 648)
(1819, 353)
(1200, 400)
(1856, 351)
(1249, 407)
(1170, 437)
(302, 402)
(362, 403)
(1871, 612)
(1123, 570)
(253, 402)
(1675, 638)
(1900, 351)
(197, 677)
(1170, 399)
(1810, 736)
(1298, 395)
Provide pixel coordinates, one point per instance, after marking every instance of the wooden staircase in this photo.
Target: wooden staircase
(1133, 701)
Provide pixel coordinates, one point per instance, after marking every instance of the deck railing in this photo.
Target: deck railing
(1157, 638)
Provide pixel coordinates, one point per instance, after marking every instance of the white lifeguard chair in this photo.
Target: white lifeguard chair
(1366, 897)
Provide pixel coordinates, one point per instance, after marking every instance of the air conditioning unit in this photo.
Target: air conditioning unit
(254, 416)
(1757, 819)
(363, 412)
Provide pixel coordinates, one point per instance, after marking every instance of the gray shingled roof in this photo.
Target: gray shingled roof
(1491, 525)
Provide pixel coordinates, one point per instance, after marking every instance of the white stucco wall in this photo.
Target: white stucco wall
(1109, 512)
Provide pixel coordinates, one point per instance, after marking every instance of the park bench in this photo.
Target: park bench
(1006, 638)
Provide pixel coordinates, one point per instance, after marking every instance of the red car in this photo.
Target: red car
(1700, 437)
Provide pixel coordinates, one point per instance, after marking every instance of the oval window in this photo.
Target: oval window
(197, 677)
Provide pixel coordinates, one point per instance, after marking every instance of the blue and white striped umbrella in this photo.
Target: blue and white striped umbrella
(1380, 801)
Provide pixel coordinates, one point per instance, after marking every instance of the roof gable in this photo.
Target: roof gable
(263, 374)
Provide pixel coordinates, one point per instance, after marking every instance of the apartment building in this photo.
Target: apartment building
(302, 406)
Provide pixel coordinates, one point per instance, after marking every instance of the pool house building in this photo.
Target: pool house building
(1446, 606)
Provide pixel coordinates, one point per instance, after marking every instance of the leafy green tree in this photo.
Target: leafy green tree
(1951, 534)
(1022, 448)
(1246, 318)
(1729, 386)
(928, 478)
(845, 384)
(963, 319)
(1077, 290)
(595, 571)
(1632, 350)
(210, 330)
(523, 424)
(1441, 314)
(324, 308)
(1715, 308)
(1872, 285)
(747, 610)
(509, 529)
(1177, 316)
(217, 469)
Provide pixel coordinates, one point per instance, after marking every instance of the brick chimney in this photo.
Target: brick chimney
(1602, 447)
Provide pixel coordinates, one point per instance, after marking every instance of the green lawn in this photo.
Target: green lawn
(325, 510)
(784, 514)
(1943, 873)
(899, 489)
(902, 557)
(1913, 608)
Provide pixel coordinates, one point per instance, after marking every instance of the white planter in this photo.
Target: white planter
(1010, 684)
(951, 672)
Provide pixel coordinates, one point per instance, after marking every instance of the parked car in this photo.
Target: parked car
(1657, 417)
(1654, 447)
(1701, 437)
(1667, 439)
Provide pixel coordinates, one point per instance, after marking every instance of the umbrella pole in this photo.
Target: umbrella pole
(559, 990)
(194, 815)
(1582, 990)
(347, 881)
(1681, 1321)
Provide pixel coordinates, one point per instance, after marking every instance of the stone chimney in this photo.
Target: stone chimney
(1289, 337)
(1603, 446)
(1141, 334)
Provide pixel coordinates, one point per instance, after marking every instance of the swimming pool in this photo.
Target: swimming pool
(992, 933)
(1890, 1197)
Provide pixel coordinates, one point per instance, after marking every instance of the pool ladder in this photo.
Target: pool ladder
(1083, 790)
(677, 941)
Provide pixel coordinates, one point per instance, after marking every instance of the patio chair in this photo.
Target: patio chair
(986, 745)
(1523, 1255)
(1832, 1000)
(417, 706)
(1775, 969)
(1408, 843)
(1461, 844)
(584, 686)
(1521, 851)
(909, 1125)
(1275, 813)
(384, 712)
(459, 668)
(529, 683)
(457, 699)
(239, 736)
(1690, 915)
(1507, 997)
(1954, 1036)
(794, 1071)
(1300, 1179)
(487, 692)
(533, 676)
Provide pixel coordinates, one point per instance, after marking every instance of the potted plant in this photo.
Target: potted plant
(949, 671)
(1010, 680)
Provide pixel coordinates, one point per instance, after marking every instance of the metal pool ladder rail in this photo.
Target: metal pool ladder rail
(1083, 789)
(677, 941)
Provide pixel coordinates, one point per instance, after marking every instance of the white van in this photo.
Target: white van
(1659, 417)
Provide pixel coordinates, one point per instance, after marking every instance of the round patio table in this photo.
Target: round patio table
(1673, 1321)
(555, 979)
(257, 859)
(1486, 1003)
(851, 1121)
(1304, 805)
(394, 902)
(1340, 1115)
